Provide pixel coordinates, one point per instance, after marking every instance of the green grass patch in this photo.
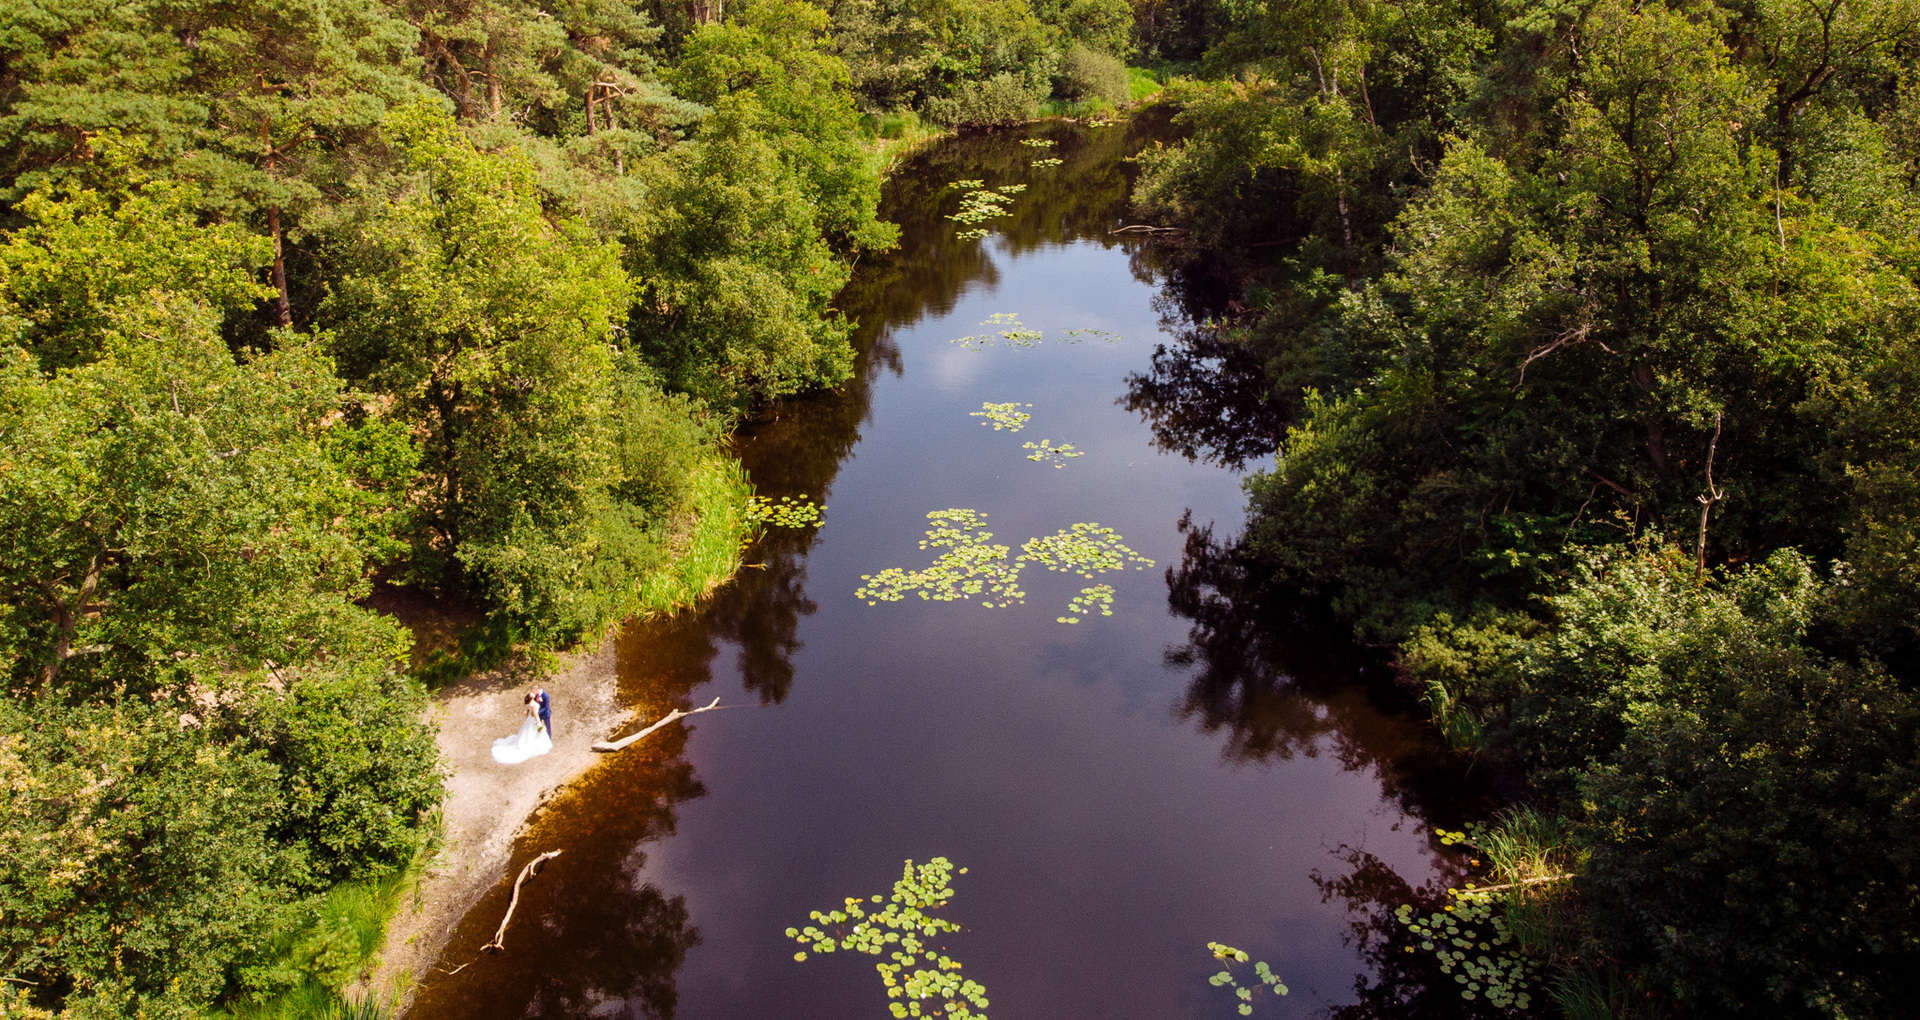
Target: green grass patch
(487, 644)
(709, 532)
(1142, 83)
(889, 137)
(335, 943)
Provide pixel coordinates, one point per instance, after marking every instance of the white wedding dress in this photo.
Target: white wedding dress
(531, 742)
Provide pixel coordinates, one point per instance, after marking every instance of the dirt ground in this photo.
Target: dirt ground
(487, 802)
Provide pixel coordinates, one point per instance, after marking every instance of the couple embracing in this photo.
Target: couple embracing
(535, 736)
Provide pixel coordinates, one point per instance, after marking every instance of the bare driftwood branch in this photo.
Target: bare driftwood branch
(674, 716)
(500, 933)
(532, 868)
(1521, 884)
(1611, 484)
(1146, 228)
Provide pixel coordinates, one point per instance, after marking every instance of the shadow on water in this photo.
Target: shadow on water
(1404, 983)
(1262, 674)
(1206, 398)
(1268, 673)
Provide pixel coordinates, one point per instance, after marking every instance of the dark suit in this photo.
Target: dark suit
(546, 712)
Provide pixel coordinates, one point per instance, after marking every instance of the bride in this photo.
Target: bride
(531, 741)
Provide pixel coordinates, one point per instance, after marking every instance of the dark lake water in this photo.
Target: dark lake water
(1205, 764)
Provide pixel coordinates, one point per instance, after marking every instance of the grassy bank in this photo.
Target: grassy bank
(707, 550)
(336, 945)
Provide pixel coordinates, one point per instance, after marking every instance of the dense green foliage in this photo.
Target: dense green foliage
(208, 727)
(294, 296)
(981, 62)
(1595, 327)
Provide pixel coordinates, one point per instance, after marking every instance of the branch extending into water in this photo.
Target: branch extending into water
(673, 716)
(500, 933)
(532, 868)
(1522, 883)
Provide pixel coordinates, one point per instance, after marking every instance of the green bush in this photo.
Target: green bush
(891, 125)
(136, 857)
(1087, 73)
(1745, 798)
(1001, 99)
(357, 766)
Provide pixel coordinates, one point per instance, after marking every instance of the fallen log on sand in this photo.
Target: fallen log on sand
(674, 716)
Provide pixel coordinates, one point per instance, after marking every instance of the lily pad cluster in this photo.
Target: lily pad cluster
(973, 564)
(1470, 939)
(1263, 976)
(1008, 418)
(972, 234)
(1046, 453)
(1094, 596)
(1074, 336)
(979, 203)
(785, 512)
(1007, 328)
(1005, 417)
(1086, 549)
(1038, 143)
(1049, 162)
(920, 978)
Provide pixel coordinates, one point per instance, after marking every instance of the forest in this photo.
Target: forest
(1591, 332)
(301, 299)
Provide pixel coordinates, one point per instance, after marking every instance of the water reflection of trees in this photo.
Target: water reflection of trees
(1083, 198)
(1205, 396)
(1399, 985)
(1269, 674)
(1273, 674)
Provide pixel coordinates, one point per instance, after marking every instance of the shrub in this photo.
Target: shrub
(1001, 99)
(1088, 73)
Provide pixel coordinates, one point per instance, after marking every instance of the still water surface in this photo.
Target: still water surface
(1202, 765)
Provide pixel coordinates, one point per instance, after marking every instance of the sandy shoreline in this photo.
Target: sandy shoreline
(487, 803)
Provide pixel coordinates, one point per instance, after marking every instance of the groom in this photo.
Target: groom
(546, 709)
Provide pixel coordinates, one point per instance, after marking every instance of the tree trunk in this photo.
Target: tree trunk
(1656, 433)
(66, 619)
(493, 83)
(1707, 500)
(1346, 218)
(282, 305)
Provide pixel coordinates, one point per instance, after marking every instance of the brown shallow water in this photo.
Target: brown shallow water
(1208, 763)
